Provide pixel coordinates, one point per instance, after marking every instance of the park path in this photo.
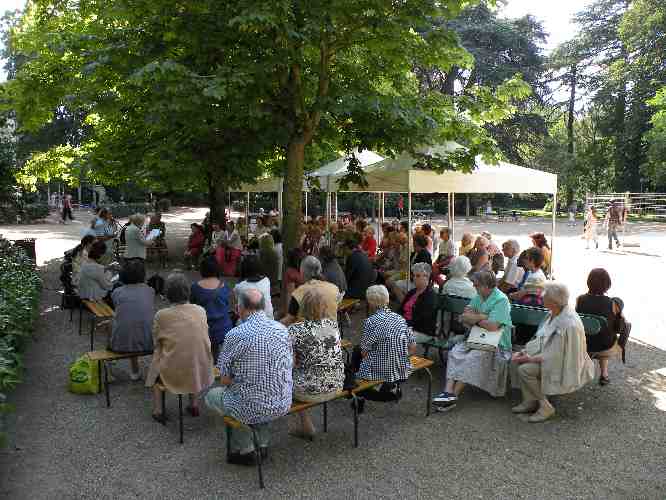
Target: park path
(605, 442)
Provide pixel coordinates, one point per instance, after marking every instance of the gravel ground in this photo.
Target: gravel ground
(605, 442)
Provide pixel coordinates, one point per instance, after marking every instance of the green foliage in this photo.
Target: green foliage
(19, 301)
(655, 168)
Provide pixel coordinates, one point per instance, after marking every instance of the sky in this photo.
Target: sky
(555, 15)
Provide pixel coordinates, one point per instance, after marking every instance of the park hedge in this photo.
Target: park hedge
(19, 309)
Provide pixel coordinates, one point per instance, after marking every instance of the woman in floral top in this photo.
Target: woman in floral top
(318, 366)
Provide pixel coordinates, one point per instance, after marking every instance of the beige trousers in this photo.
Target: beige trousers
(530, 381)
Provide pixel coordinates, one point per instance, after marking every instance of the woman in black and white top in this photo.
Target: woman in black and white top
(318, 372)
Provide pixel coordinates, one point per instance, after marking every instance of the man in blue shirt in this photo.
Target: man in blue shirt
(255, 366)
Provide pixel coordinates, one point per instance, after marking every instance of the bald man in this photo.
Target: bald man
(255, 365)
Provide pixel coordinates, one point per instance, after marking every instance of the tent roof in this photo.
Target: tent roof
(339, 166)
(335, 168)
(396, 175)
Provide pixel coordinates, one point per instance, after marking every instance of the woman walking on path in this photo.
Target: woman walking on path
(590, 233)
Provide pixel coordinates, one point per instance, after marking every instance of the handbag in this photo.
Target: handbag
(84, 376)
(482, 339)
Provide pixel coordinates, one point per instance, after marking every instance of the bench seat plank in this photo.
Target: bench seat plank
(112, 356)
(347, 304)
(99, 309)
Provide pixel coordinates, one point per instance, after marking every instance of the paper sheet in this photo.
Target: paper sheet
(153, 234)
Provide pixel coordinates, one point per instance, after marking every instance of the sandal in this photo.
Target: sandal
(604, 380)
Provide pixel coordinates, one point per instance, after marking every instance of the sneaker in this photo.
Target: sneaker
(444, 398)
(443, 409)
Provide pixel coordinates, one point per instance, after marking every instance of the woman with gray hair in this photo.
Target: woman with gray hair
(419, 307)
(135, 240)
(311, 271)
(458, 283)
(555, 361)
(386, 344)
(318, 371)
(182, 359)
(488, 370)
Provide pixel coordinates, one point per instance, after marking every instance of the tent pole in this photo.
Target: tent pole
(448, 210)
(335, 200)
(328, 211)
(552, 235)
(452, 227)
(247, 218)
(409, 236)
(306, 207)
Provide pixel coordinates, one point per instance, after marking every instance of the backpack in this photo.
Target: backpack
(623, 329)
(122, 234)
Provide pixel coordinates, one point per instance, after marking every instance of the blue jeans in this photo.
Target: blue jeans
(241, 439)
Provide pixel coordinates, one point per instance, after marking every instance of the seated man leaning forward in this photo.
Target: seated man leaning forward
(311, 271)
(255, 365)
(488, 370)
(555, 361)
(386, 344)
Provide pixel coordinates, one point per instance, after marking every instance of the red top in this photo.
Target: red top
(401, 203)
(408, 308)
(196, 243)
(293, 276)
(369, 246)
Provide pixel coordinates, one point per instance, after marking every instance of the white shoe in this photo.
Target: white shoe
(526, 407)
(544, 413)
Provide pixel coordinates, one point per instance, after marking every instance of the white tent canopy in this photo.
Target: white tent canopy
(398, 176)
(334, 169)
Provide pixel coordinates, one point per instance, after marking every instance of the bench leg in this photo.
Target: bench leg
(180, 416)
(99, 374)
(81, 318)
(325, 417)
(227, 432)
(429, 393)
(163, 406)
(71, 315)
(355, 399)
(93, 325)
(257, 456)
(106, 385)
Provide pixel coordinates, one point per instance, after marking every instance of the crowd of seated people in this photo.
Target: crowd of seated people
(266, 364)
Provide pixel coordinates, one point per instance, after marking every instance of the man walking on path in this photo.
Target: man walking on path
(67, 208)
(616, 216)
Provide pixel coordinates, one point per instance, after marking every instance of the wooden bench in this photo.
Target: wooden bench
(102, 357)
(418, 363)
(100, 311)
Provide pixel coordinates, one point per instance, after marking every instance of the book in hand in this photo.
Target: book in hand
(482, 339)
(155, 233)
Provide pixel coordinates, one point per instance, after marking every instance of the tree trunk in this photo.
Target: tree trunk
(293, 195)
(570, 131)
(217, 197)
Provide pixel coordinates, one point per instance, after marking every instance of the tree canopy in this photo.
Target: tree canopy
(208, 94)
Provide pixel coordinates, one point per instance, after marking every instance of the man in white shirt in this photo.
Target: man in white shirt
(512, 274)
